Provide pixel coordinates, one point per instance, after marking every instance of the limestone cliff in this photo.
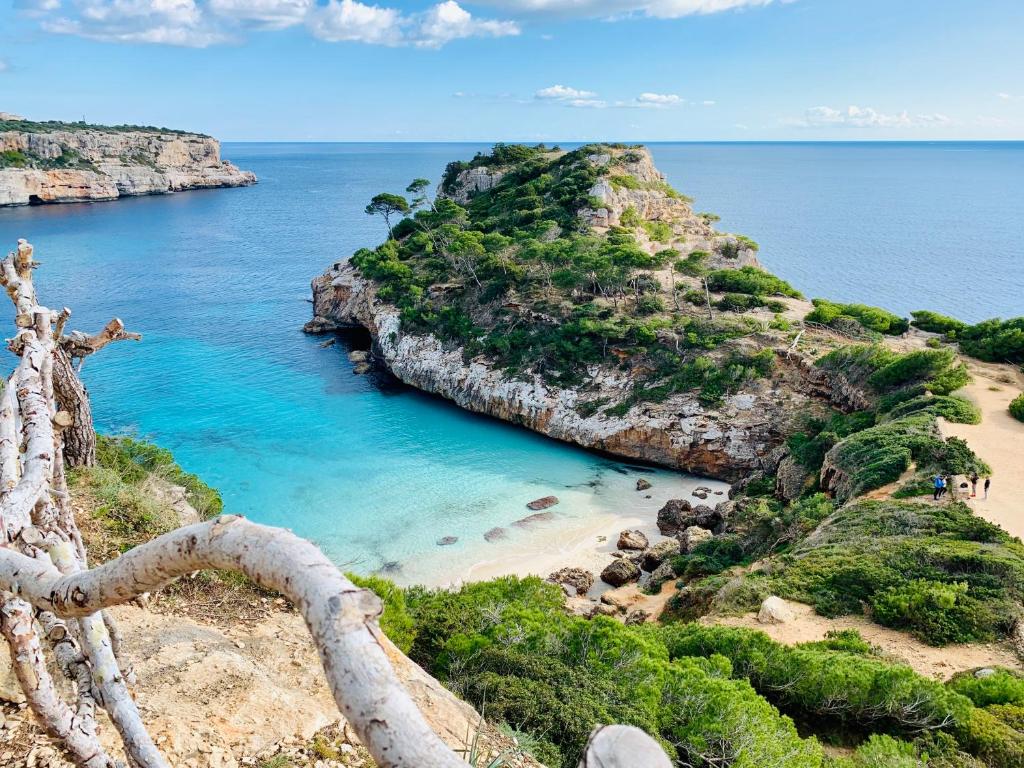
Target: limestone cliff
(38, 165)
(741, 435)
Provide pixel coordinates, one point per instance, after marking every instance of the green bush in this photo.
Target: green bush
(882, 751)
(912, 367)
(1017, 407)
(134, 459)
(998, 341)
(750, 280)
(935, 611)
(989, 738)
(955, 409)
(508, 645)
(395, 620)
(873, 318)
(933, 322)
(1002, 686)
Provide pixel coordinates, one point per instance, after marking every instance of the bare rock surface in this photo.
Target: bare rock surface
(579, 579)
(543, 503)
(632, 539)
(619, 572)
(659, 553)
(112, 164)
(693, 536)
(774, 610)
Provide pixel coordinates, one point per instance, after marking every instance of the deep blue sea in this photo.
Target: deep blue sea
(218, 282)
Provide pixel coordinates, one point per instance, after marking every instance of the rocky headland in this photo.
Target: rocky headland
(725, 437)
(70, 162)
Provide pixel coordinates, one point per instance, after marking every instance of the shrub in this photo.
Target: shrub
(1002, 686)
(395, 621)
(984, 735)
(955, 409)
(935, 611)
(873, 318)
(999, 341)
(693, 264)
(750, 280)
(933, 322)
(917, 366)
(1017, 407)
(12, 158)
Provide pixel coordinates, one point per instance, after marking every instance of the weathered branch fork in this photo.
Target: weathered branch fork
(52, 603)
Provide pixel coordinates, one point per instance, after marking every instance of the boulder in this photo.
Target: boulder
(642, 485)
(632, 539)
(659, 553)
(662, 573)
(579, 580)
(359, 356)
(620, 572)
(637, 616)
(774, 610)
(700, 494)
(603, 609)
(791, 478)
(446, 541)
(674, 516)
(693, 536)
(617, 598)
(543, 502)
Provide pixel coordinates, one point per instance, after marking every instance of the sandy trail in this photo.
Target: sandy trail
(939, 663)
(999, 440)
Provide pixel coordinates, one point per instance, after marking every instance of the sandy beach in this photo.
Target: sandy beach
(999, 440)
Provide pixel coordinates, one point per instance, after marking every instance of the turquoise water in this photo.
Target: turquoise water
(217, 281)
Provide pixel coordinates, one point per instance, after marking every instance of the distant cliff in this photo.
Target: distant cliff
(74, 162)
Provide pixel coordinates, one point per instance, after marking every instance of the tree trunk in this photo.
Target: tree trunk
(72, 396)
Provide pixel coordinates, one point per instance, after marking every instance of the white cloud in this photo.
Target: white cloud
(864, 117)
(171, 22)
(563, 93)
(1004, 96)
(263, 14)
(200, 23)
(351, 21)
(708, 103)
(617, 9)
(449, 21)
(4, 66)
(658, 99)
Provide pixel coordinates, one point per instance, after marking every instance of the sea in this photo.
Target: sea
(217, 281)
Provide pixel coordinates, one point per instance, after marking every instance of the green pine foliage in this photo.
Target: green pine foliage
(872, 318)
(1017, 407)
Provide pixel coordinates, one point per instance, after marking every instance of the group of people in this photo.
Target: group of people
(943, 484)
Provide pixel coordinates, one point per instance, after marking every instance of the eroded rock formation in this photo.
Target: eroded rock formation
(68, 166)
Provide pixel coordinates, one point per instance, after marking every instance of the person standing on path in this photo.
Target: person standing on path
(988, 482)
(940, 486)
(974, 485)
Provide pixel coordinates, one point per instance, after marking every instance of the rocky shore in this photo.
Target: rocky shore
(69, 166)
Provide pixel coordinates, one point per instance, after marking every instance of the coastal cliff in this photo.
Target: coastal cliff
(726, 428)
(69, 162)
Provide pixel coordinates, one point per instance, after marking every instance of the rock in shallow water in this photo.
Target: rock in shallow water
(445, 541)
(496, 534)
(642, 485)
(543, 503)
(539, 517)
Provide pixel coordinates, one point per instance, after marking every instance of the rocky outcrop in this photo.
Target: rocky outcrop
(619, 572)
(578, 581)
(727, 441)
(632, 539)
(68, 166)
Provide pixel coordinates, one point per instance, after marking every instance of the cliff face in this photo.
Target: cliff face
(66, 166)
(742, 435)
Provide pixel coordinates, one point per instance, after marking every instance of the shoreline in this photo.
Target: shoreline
(583, 541)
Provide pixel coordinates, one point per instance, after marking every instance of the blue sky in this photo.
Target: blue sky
(523, 69)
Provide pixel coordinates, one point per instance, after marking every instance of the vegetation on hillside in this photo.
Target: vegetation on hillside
(515, 275)
(68, 159)
(49, 126)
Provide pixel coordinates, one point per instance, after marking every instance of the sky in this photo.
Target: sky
(528, 70)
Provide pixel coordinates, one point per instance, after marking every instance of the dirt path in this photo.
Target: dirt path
(999, 440)
(939, 663)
